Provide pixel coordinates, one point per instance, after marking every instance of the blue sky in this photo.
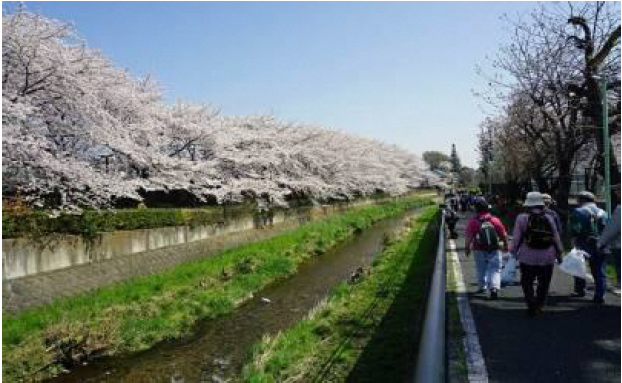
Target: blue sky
(401, 72)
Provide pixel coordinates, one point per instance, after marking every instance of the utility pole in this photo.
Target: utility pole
(606, 142)
(490, 160)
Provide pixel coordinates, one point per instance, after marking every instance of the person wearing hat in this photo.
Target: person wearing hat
(611, 238)
(536, 244)
(483, 236)
(587, 222)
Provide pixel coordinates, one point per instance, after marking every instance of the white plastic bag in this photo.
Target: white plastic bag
(574, 264)
(509, 273)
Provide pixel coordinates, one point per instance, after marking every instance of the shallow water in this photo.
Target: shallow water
(220, 347)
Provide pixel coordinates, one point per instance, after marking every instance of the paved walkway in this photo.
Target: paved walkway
(572, 341)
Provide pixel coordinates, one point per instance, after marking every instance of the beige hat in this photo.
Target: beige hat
(586, 196)
(547, 197)
(534, 199)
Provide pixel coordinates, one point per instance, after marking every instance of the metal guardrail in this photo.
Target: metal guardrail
(431, 362)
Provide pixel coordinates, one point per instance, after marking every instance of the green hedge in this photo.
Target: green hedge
(90, 222)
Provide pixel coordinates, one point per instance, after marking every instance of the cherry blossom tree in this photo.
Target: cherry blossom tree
(79, 132)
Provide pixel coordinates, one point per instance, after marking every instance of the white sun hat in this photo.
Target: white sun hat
(534, 199)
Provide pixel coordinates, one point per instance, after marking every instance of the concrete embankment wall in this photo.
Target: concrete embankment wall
(37, 271)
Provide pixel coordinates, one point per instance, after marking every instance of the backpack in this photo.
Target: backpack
(539, 233)
(450, 215)
(599, 221)
(486, 237)
(593, 226)
(589, 228)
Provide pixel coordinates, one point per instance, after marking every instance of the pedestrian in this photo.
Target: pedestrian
(471, 201)
(611, 238)
(483, 236)
(464, 202)
(536, 244)
(587, 222)
(548, 209)
(455, 203)
(449, 199)
(451, 219)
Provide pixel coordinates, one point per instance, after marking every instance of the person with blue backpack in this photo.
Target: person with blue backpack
(536, 244)
(587, 223)
(486, 236)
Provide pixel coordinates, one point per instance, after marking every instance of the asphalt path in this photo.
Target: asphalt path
(573, 340)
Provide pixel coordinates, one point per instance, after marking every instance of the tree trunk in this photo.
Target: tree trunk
(564, 182)
(543, 185)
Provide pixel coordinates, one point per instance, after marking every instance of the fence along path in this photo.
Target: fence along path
(572, 341)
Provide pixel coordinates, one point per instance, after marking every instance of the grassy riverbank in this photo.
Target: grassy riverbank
(135, 315)
(367, 331)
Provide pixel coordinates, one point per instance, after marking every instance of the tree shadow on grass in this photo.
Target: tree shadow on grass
(390, 354)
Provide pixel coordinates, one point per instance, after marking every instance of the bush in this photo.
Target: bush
(90, 222)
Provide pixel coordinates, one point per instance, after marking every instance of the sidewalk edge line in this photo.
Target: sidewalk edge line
(473, 350)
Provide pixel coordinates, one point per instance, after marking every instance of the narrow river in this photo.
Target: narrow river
(220, 347)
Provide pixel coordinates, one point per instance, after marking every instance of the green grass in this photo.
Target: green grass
(610, 270)
(137, 314)
(362, 332)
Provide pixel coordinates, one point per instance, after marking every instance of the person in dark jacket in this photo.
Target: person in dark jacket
(451, 219)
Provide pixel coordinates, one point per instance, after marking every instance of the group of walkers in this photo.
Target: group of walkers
(462, 201)
(537, 245)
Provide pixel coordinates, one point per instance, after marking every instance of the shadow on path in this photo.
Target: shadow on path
(564, 344)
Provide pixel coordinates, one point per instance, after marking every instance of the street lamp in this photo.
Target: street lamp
(490, 159)
(602, 89)
(602, 86)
